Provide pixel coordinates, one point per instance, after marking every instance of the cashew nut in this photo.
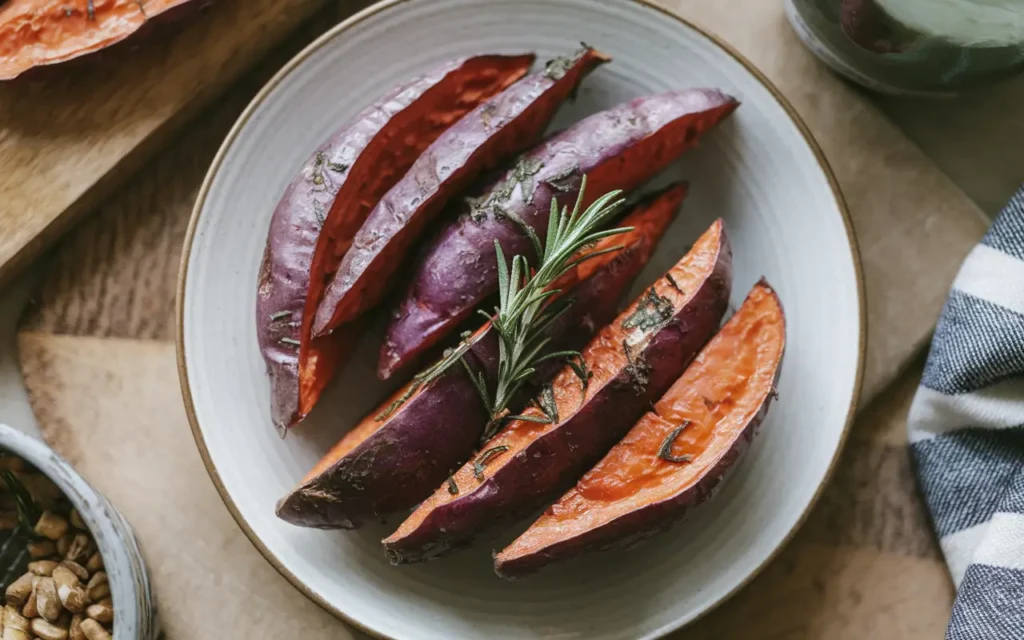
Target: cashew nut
(51, 525)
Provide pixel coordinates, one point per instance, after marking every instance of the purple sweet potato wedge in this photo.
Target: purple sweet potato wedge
(675, 456)
(631, 363)
(484, 138)
(323, 207)
(617, 149)
(396, 456)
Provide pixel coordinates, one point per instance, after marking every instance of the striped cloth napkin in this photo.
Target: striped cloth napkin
(966, 429)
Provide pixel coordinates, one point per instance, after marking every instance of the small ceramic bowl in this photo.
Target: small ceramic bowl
(134, 610)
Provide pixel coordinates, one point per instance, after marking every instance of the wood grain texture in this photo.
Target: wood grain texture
(70, 134)
(114, 274)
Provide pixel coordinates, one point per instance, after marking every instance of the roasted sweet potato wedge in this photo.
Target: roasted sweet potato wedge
(617, 149)
(396, 456)
(496, 130)
(34, 33)
(629, 365)
(675, 456)
(321, 210)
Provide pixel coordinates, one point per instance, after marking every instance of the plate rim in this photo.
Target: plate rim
(261, 97)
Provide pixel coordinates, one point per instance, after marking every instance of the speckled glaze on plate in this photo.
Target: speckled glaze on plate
(761, 172)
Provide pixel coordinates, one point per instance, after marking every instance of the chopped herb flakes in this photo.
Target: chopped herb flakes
(651, 312)
(672, 283)
(637, 370)
(485, 458)
(556, 68)
(522, 174)
(546, 402)
(400, 400)
(564, 181)
(665, 452)
(452, 487)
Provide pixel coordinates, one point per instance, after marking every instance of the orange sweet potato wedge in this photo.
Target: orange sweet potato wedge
(675, 456)
(394, 458)
(578, 418)
(34, 33)
(495, 131)
(317, 217)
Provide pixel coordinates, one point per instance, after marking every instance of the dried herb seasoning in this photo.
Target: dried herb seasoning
(546, 402)
(477, 207)
(672, 283)
(564, 180)
(556, 68)
(579, 367)
(487, 113)
(485, 458)
(318, 211)
(317, 175)
(452, 487)
(651, 312)
(665, 452)
(636, 369)
(398, 402)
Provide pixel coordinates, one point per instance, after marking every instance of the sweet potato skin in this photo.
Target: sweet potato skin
(617, 149)
(499, 128)
(524, 556)
(399, 464)
(321, 209)
(552, 462)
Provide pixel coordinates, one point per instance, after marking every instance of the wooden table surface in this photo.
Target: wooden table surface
(865, 564)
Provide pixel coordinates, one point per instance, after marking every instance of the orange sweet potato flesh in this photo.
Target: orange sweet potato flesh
(631, 362)
(398, 453)
(317, 217)
(649, 481)
(495, 131)
(34, 33)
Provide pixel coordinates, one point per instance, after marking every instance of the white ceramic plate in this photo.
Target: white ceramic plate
(760, 171)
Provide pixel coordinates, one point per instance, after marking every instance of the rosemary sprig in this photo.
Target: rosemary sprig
(28, 510)
(525, 307)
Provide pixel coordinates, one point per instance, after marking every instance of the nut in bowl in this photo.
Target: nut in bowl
(71, 568)
(696, 179)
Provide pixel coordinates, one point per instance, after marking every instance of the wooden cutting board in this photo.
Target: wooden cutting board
(70, 133)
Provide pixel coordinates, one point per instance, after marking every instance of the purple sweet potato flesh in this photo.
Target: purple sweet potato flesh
(320, 211)
(676, 455)
(617, 149)
(484, 138)
(631, 361)
(387, 465)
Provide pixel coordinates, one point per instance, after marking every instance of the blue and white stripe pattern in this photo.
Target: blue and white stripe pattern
(967, 434)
